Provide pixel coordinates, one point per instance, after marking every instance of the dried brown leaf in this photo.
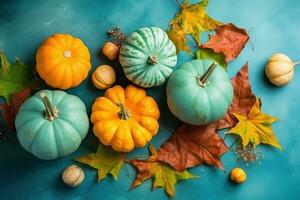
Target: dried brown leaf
(243, 98)
(193, 145)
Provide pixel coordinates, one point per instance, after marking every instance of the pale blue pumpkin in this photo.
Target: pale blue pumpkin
(51, 124)
(148, 57)
(199, 92)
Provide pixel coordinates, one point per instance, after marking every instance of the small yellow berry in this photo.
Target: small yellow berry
(238, 175)
(73, 176)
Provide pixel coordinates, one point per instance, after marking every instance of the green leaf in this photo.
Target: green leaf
(105, 160)
(204, 53)
(15, 77)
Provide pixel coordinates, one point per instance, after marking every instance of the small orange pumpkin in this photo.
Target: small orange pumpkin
(110, 50)
(63, 61)
(125, 118)
(103, 77)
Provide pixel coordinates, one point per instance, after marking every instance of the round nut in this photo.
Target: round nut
(73, 176)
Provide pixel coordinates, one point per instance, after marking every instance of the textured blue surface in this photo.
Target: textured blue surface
(274, 27)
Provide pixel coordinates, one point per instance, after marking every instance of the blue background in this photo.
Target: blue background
(274, 26)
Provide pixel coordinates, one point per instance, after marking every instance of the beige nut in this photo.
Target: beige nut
(73, 175)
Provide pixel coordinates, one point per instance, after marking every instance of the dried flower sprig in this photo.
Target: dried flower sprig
(117, 36)
(248, 154)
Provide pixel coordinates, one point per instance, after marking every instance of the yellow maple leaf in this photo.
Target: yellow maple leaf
(191, 19)
(255, 128)
(177, 35)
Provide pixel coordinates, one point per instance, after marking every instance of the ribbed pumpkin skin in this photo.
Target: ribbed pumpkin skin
(125, 134)
(51, 139)
(63, 61)
(279, 69)
(194, 104)
(135, 52)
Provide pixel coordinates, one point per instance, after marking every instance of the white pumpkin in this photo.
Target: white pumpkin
(279, 69)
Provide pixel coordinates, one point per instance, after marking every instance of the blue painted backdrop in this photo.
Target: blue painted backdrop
(274, 27)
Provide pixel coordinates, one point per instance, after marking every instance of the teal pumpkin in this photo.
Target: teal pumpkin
(199, 92)
(51, 124)
(148, 57)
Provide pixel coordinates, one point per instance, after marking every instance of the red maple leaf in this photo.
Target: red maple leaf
(193, 145)
(229, 40)
(10, 111)
(243, 98)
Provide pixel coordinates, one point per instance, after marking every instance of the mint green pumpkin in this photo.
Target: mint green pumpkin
(51, 124)
(148, 57)
(199, 92)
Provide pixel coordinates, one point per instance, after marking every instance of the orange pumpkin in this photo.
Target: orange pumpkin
(125, 118)
(63, 61)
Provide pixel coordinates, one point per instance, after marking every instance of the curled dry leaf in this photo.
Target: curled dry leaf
(9, 111)
(163, 175)
(193, 145)
(229, 40)
(243, 99)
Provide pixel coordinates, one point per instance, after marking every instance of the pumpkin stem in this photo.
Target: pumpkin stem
(202, 80)
(152, 60)
(297, 63)
(123, 114)
(50, 112)
(67, 54)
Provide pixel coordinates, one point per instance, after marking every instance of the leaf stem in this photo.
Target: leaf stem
(140, 157)
(126, 170)
(252, 45)
(169, 129)
(177, 2)
(235, 141)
